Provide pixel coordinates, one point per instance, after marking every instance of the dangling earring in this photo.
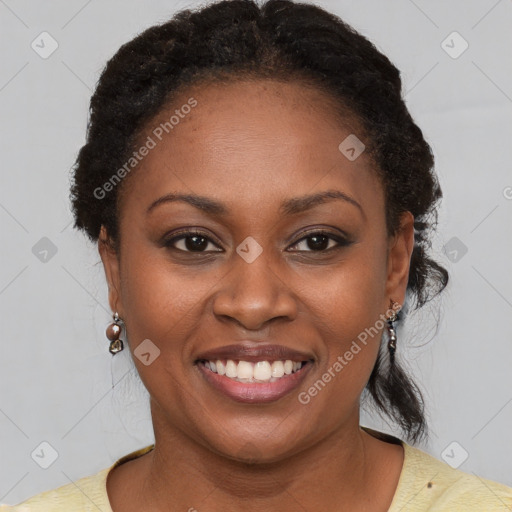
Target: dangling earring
(113, 333)
(391, 331)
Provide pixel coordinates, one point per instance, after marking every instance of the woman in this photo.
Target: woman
(262, 202)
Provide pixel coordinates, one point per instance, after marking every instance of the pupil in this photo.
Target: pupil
(319, 242)
(195, 245)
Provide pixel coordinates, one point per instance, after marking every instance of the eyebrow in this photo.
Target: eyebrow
(291, 206)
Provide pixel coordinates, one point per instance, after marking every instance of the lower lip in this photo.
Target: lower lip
(255, 392)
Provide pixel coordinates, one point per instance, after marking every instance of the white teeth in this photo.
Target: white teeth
(221, 369)
(231, 370)
(246, 371)
(277, 369)
(262, 370)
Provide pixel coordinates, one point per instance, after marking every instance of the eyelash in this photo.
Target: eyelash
(341, 241)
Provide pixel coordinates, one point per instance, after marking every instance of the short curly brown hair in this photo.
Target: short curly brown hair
(284, 40)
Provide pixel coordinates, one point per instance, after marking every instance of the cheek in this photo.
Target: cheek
(161, 304)
(349, 317)
(350, 298)
(162, 301)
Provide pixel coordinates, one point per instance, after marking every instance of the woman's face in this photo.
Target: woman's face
(255, 281)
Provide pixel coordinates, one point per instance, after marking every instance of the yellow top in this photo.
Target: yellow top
(425, 484)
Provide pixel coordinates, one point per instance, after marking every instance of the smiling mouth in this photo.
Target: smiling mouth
(253, 382)
(253, 372)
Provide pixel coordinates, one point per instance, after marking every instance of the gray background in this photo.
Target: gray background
(56, 372)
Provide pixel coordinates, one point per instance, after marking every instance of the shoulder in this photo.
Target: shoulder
(85, 494)
(88, 494)
(427, 483)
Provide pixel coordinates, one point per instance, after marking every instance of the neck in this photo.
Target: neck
(183, 474)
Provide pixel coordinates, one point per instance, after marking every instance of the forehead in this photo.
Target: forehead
(246, 142)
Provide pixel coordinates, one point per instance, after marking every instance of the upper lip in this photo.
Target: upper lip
(254, 352)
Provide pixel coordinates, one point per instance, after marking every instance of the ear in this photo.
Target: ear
(110, 260)
(399, 259)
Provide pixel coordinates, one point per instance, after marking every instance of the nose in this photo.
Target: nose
(254, 295)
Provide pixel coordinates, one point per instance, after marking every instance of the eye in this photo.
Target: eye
(191, 241)
(322, 241)
(199, 242)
